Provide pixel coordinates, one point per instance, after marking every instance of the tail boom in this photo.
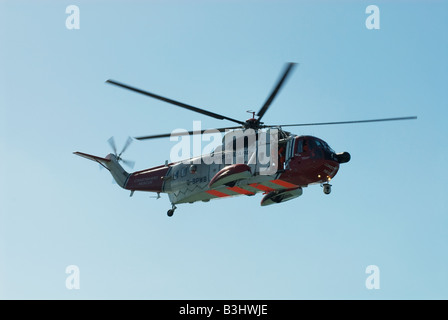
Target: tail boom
(110, 162)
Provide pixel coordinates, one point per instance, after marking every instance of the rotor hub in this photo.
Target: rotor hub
(252, 124)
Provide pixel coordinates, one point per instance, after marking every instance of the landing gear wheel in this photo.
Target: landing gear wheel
(327, 188)
(171, 211)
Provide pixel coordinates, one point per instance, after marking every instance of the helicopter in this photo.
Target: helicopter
(235, 167)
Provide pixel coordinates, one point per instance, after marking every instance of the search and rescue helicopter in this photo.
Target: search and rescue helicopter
(298, 161)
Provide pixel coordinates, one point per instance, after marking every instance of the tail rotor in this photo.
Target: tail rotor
(128, 163)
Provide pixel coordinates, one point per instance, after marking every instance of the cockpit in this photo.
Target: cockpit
(313, 147)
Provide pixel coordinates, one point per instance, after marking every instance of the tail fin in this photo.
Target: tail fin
(110, 163)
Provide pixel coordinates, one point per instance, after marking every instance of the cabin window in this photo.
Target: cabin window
(176, 175)
(184, 172)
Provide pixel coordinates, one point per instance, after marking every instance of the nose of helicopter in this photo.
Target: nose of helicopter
(343, 157)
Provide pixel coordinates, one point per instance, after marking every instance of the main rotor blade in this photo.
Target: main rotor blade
(175, 134)
(274, 93)
(343, 122)
(176, 103)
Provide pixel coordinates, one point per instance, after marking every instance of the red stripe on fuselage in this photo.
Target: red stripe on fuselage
(217, 193)
(241, 191)
(284, 184)
(261, 187)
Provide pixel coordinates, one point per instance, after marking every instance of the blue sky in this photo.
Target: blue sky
(388, 205)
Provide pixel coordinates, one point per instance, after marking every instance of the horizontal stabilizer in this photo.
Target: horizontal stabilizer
(93, 158)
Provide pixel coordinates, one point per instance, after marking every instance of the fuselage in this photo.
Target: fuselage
(301, 161)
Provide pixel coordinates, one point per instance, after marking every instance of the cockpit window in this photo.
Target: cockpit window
(299, 146)
(315, 147)
(311, 143)
(305, 146)
(327, 147)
